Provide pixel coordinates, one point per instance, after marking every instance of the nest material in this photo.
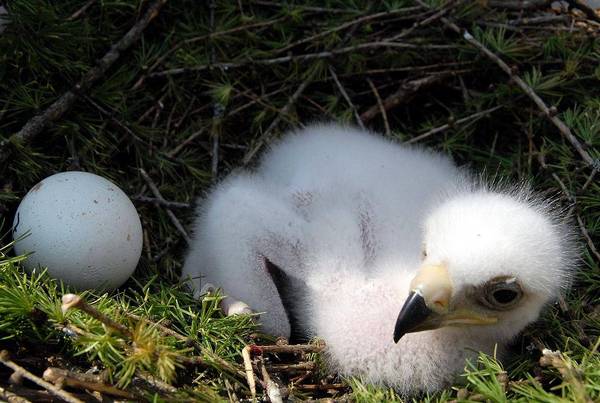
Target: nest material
(164, 98)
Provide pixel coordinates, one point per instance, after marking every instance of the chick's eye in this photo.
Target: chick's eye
(504, 296)
(500, 294)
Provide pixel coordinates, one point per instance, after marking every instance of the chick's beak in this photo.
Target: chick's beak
(427, 306)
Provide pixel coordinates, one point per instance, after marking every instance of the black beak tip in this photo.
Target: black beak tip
(413, 313)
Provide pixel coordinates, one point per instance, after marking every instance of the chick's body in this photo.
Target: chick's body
(340, 214)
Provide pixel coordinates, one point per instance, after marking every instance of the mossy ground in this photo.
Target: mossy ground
(210, 84)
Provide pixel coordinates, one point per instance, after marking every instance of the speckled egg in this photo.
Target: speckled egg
(82, 227)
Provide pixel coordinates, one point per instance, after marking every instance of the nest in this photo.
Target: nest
(164, 98)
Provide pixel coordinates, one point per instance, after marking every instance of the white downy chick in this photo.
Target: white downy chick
(401, 262)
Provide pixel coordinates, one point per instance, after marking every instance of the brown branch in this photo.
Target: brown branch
(380, 106)
(299, 58)
(538, 20)
(267, 135)
(572, 199)
(271, 387)
(248, 93)
(160, 202)
(166, 331)
(249, 371)
(422, 22)
(170, 213)
(76, 380)
(587, 237)
(348, 24)
(403, 94)
(143, 379)
(23, 394)
(346, 97)
(171, 154)
(70, 301)
(287, 348)
(157, 105)
(303, 366)
(53, 390)
(449, 125)
(11, 397)
(325, 387)
(520, 5)
(215, 135)
(313, 9)
(550, 114)
(81, 10)
(589, 12)
(38, 123)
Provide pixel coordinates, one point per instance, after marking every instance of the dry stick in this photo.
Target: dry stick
(519, 5)
(36, 395)
(153, 381)
(183, 144)
(162, 328)
(266, 136)
(159, 104)
(348, 24)
(308, 56)
(405, 93)
(38, 123)
(299, 379)
(11, 397)
(230, 391)
(332, 386)
(60, 376)
(81, 11)
(346, 97)
(538, 20)
(570, 374)
(53, 390)
(255, 100)
(303, 366)
(426, 21)
(215, 135)
(271, 387)
(217, 108)
(288, 348)
(156, 192)
(549, 113)
(589, 180)
(282, 4)
(185, 113)
(75, 301)
(587, 237)
(589, 12)
(573, 200)
(248, 93)
(449, 125)
(116, 121)
(388, 131)
(410, 69)
(249, 371)
(164, 203)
